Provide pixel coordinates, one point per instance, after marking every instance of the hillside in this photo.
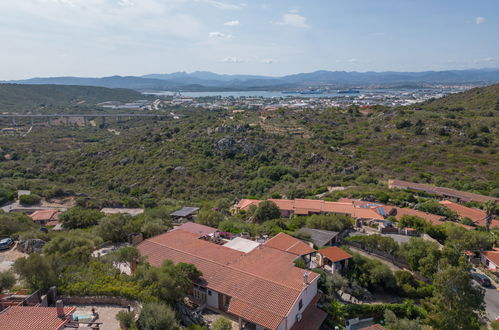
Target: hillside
(476, 99)
(213, 154)
(25, 98)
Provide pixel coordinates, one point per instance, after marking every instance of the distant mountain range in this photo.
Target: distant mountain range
(209, 81)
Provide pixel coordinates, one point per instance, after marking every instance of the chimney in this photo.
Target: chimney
(59, 305)
(305, 278)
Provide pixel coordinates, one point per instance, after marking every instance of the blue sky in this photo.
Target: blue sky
(135, 37)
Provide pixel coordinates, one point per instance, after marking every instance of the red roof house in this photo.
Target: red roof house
(46, 217)
(31, 317)
(261, 287)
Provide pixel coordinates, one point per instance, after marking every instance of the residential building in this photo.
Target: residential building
(261, 289)
(286, 243)
(333, 259)
(196, 228)
(35, 317)
(314, 206)
(490, 259)
(476, 215)
(185, 213)
(46, 217)
(319, 237)
(460, 196)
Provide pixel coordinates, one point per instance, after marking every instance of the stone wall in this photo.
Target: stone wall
(98, 300)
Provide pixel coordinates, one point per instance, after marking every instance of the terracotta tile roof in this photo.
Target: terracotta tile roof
(273, 264)
(313, 205)
(29, 317)
(476, 215)
(284, 204)
(432, 218)
(250, 312)
(335, 254)
(463, 195)
(262, 291)
(492, 256)
(312, 317)
(374, 327)
(195, 228)
(45, 215)
(287, 243)
(244, 204)
(367, 213)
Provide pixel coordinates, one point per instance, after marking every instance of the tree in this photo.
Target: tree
(394, 323)
(169, 282)
(7, 280)
(422, 256)
(115, 228)
(209, 218)
(12, 223)
(222, 324)
(456, 302)
(266, 210)
(78, 217)
(330, 222)
(436, 208)
(76, 246)
(490, 208)
(126, 320)
(153, 227)
(29, 199)
(157, 316)
(37, 271)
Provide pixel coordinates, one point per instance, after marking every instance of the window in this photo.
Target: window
(300, 304)
(209, 292)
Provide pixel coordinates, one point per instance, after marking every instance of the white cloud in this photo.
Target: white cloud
(480, 20)
(233, 59)
(126, 3)
(294, 11)
(353, 60)
(293, 19)
(267, 61)
(219, 35)
(232, 23)
(220, 4)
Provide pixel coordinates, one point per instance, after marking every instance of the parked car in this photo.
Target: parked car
(6, 243)
(482, 280)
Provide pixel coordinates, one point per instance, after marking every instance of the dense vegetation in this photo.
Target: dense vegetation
(212, 154)
(59, 99)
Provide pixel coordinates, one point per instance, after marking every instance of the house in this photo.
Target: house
(130, 211)
(333, 259)
(490, 259)
(314, 206)
(286, 243)
(46, 217)
(320, 237)
(35, 317)
(196, 228)
(476, 215)
(460, 196)
(431, 218)
(185, 213)
(261, 289)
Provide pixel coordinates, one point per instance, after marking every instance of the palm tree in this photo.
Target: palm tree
(490, 209)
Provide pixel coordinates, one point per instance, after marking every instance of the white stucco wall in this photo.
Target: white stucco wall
(306, 296)
(213, 299)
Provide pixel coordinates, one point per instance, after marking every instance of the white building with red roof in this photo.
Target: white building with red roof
(261, 288)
